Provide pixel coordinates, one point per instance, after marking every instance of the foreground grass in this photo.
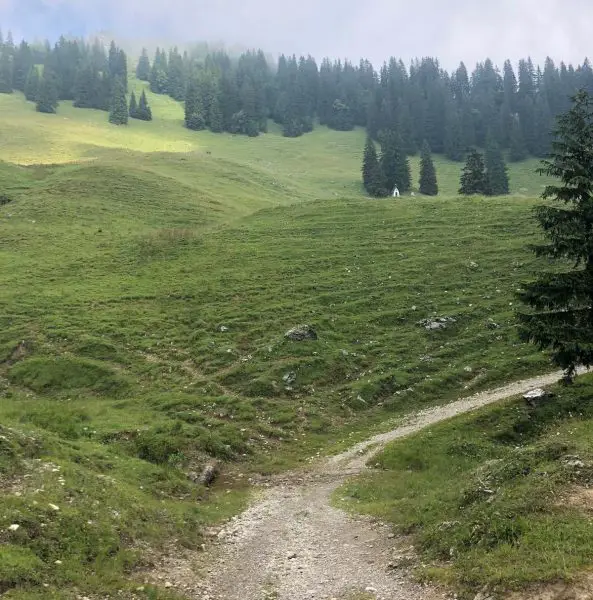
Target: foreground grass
(139, 343)
(147, 277)
(497, 498)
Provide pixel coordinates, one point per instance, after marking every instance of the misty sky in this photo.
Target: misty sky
(453, 30)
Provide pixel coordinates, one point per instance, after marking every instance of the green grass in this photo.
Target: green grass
(484, 496)
(147, 277)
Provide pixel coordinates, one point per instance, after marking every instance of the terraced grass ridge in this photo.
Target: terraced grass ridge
(148, 275)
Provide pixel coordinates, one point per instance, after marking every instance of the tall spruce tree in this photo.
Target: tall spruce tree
(496, 170)
(6, 66)
(473, 177)
(133, 108)
(118, 107)
(428, 175)
(143, 67)
(559, 314)
(518, 151)
(47, 93)
(372, 174)
(144, 112)
(394, 162)
(32, 84)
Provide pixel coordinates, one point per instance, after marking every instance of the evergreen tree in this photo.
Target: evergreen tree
(372, 175)
(22, 63)
(194, 106)
(133, 108)
(118, 106)
(175, 76)
(216, 116)
(496, 170)
(158, 73)
(518, 152)
(144, 112)
(5, 70)
(473, 177)
(559, 301)
(394, 162)
(454, 146)
(143, 67)
(47, 93)
(32, 84)
(428, 175)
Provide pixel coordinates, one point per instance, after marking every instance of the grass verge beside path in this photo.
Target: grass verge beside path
(499, 498)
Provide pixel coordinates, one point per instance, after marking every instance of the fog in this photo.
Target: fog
(457, 30)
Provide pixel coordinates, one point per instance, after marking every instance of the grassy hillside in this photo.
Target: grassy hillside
(500, 498)
(322, 164)
(147, 277)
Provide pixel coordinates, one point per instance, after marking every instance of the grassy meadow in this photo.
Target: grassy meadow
(147, 277)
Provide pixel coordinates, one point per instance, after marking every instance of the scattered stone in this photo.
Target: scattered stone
(54, 507)
(468, 370)
(168, 584)
(292, 556)
(58, 562)
(492, 325)
(301, 333)
(209, 475)
(473, 265)
(437, 323)
(223, 329)
(290, 378)
(535, 397)
(370, 590)
(573, 461)
(14, 527)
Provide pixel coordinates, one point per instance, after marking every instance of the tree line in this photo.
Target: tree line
(451, 111)
(87, 74)
(382, 175)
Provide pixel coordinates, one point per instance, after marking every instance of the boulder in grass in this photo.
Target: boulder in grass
(301, 333)
(535, 397)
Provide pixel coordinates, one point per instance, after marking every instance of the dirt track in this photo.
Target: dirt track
(291, 544)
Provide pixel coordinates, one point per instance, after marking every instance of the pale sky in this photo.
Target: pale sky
(468, 30)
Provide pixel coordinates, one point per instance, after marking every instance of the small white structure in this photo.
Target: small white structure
(396, 193)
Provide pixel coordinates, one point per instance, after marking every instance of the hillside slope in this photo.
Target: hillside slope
(144, 298)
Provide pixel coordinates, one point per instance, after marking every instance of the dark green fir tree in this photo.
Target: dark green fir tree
(428, 175)
(32, 84)
(118, 106)
(473, 177)
(144, 112)
(47, 93)
(394, 162)
(496, 170)
(518, 151)
(6, 59)
(133, 108)
(143, 68)
(216, 116)
(558, 313)
(372, 175)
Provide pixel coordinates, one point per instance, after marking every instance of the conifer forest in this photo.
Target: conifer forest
(511, 107)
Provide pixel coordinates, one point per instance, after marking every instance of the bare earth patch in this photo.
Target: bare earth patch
(582, 590)
(580, 498)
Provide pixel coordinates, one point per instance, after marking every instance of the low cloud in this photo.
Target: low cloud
(453, 31)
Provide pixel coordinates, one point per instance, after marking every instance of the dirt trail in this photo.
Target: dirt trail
(291, 544)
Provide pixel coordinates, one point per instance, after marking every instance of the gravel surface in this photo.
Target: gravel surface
(291, 544)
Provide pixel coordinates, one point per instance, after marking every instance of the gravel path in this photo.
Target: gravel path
(293, 545)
